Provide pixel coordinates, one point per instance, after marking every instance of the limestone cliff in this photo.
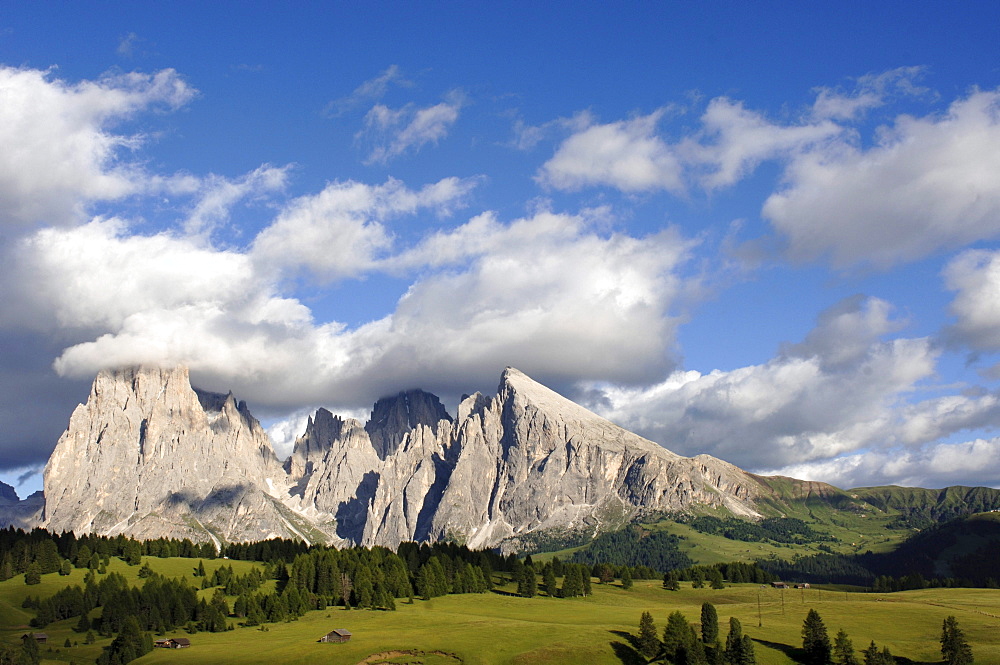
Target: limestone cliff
(149, 456)
(526, 460)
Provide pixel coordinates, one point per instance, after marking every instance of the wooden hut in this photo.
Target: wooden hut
(337, 635)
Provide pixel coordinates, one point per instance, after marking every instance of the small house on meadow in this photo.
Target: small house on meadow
(41, 638)
(173, 643)
(338, 635)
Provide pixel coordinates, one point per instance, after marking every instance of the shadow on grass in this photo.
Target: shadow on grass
(626, 654)
(501, 592)
(633, 641)
(795, 653)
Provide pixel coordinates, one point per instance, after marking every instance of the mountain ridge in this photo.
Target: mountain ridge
(148, 455)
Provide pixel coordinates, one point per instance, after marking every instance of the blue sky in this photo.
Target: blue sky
(767, 232)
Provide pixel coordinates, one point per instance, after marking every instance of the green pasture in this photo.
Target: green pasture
(502, 628)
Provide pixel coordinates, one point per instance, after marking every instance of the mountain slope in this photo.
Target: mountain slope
(149, 456)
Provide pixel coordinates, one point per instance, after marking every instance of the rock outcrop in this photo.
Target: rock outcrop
(149, 456)
(20, 514)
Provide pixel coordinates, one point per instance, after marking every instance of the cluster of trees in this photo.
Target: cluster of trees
(819, 650)
(575, 579)
(716, 575)
(681, 644)
(37, 552)
(775, 529)
(635, 546)
(160, 604)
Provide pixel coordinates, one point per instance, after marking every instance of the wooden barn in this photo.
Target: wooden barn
(337, 635)
(41, 638)
(173, 643)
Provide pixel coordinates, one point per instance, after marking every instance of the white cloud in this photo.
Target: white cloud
(627, 155)
(975, 277)
(395, 132)
(59, 154)
(523, 293)
(734, 141)
(928, 185)
(341, 231)
(836, 392)
(217, 196)
(371, 89)
(975, 462)
(870, 91)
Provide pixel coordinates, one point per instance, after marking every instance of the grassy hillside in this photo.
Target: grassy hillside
(502, 628)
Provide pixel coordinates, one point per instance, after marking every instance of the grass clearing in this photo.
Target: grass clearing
(499, 628)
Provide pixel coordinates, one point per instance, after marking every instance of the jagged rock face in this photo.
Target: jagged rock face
(149, 456)
(526, 460)
(395, 417)
(8, 493)
(20, 514)
(532, 459)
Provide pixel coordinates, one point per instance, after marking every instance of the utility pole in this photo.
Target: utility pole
(760, 622)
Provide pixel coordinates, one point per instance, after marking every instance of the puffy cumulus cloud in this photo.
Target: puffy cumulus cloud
(627, 154)
(341, 231)
(928, 184)
(97, 275)
(734, 141)
(632, 156)
(834, 393)
(59, 151)
(975, 277)
(397, 131)
(975, 462)
(547, 293)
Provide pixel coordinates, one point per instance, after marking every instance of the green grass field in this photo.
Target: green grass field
(499, 628)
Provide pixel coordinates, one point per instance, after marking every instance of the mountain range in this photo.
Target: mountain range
(150, 456)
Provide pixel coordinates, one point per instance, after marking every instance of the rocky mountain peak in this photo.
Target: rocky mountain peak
(8, 493)
(149, 455)
(394, 417)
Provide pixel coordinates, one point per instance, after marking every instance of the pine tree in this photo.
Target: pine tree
(527, 586)
(649, 643)
(748, 656)
(33, 575)
(677, 637)
(626, 578)
(670, 582)
(954, 648)
(30, 650)
(734, 641)
(715, 579)
(709, 624)
(815, 641)
(843, 649)
(697, 578)
(549, 577)
(572, 582)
